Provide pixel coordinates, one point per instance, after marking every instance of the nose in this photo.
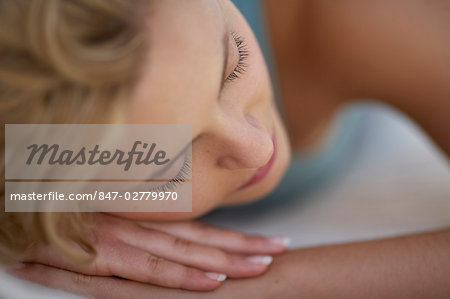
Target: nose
(245, 144)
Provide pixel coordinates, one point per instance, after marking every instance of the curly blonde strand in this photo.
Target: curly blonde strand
(63, 61)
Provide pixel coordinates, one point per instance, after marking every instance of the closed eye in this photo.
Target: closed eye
(183, 175)
(243, 56)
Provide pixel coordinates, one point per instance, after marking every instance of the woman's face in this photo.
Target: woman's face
(204, 67)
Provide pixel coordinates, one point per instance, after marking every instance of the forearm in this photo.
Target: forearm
(416, 266)
(408, 267)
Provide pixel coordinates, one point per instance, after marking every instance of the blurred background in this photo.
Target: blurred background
(379, 175)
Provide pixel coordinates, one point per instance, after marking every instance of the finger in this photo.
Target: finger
(196, 255)
(142, 266)
(129, 262)
(226, 239)
(95, 286)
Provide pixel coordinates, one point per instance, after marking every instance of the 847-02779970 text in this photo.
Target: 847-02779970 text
(141, 195)
(97, 195)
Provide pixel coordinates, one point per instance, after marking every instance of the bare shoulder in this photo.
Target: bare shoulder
(345, 40)
(393, 50)
(396, 51)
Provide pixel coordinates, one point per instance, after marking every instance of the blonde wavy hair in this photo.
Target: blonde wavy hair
(63, 61)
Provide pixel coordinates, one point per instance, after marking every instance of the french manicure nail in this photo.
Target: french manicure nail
(260, 259)
(285, 241)
(216, 276)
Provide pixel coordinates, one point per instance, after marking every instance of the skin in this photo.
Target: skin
(406, 72)
(184, 254)
(391, 268)
(232, 122)
(233, 125)
(332, 52)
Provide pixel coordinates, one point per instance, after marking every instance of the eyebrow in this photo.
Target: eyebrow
(225, 42)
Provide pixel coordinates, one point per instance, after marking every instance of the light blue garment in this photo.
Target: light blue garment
(307, 173)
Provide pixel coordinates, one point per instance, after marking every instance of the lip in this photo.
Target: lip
(263, 170)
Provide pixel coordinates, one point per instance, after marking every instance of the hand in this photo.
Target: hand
(187, 255)
(113, 287)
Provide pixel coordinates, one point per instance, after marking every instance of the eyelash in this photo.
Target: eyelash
(243, 56)
(180, 178)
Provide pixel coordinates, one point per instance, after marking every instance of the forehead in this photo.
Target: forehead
(182, 69)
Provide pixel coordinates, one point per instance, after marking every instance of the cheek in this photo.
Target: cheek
(206, 192)
(204, 198)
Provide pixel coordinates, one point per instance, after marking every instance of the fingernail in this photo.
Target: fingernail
(260, 259)
(284, 241)
(216, 276)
